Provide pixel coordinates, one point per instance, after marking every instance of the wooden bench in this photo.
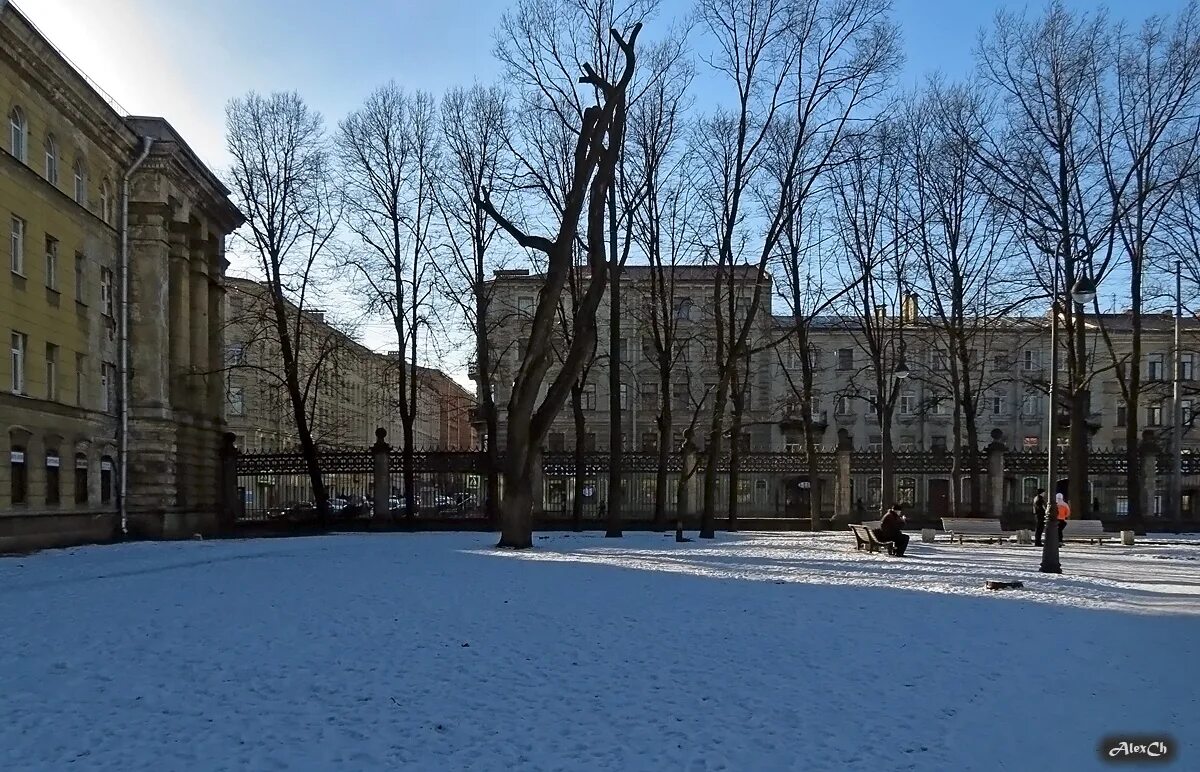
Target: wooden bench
(872, 524)
(961, 527)
(864, 538)
(1091, 531)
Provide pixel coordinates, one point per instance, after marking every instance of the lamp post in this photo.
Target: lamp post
(1083, 292)
(1177, 404)
(899, 374)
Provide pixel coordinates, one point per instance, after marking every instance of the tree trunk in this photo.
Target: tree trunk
(735, 461)
(615, 450)
(956, 467)
(577, 477)
(972, 456)
(664, 455)
(483, 365)
(713, 453)
(516, 520)
(1133, 440)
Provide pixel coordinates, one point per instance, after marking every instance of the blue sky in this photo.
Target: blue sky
(184, 59)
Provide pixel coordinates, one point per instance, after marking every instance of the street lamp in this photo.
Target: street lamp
(1082, 293)
(900, 373)
(901, 369)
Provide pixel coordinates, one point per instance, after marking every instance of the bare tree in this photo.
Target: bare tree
(281, 181)
(475, 123)
(389, 151)
(594, 161)
(802, 73)
(1040, 162)
(1148, 135)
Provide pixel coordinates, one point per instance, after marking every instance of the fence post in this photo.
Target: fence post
(381, 489)
(231, 504)
(1149, 456)
(842, 504)
(687, 482)
(995, 472)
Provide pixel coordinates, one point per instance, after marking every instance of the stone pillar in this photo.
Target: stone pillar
(995, 474)
(179, 298)
(1149, 456)
(198, 321)
(842, 505)
(688, 487)
(216, 346)
(230, 502)
(381, 488)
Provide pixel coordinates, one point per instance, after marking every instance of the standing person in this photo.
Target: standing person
(1039, 516)
(860, 511)
(889, 530)
(1064, 512)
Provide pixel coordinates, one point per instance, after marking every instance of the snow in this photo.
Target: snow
(438, 652)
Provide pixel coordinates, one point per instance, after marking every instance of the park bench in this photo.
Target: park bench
(864, 538)
(1091, 531)
(872, 524)
(961, 527)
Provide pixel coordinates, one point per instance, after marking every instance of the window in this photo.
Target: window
(875, 443)
(106, 202)
(80, 269)
(623, 349)
(80, 369)
(17, 133)
(16, 246)
(624, 396)
(938, 442)
(236, 400)
(1122, 414)
(649, 442)
(80, 183)
(106, 291)
(1031, 406)
(1033, 359)
(81, 478)
(937, 404)
(1029, 488)
(649, 350)
(51, 262)
(649, 396)
(1185, 410)
(108, 379)
(906, 491)
(106, 480)
(589, 396)
(235, 354)
(53, 479)
(999, 404)
(1158, 505)
(683, 310)
(1154, 367)
(589, 442)
(51, 160)
(20, 341)
(51, 372)
(557, 442)
(525, 305)
(845, 359)
(1186, 367)
(1154, 414)
(907, 443)
(793, 447)
(941, 360)
(18, 481)
(908, 403)
(842, 406)
(1122, 506)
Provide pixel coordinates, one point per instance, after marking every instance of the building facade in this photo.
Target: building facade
(1009, 357)
(110, 416)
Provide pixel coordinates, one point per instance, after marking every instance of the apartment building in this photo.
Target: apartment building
(110, 414)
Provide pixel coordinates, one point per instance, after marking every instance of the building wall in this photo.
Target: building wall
(68, 428)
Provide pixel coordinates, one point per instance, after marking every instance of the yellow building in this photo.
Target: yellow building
(97, 436)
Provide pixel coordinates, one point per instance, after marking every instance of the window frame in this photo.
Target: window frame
(51, 159)
(18, 134)
(51, 264)
(19, 357)
(18, 228)
(18, 464)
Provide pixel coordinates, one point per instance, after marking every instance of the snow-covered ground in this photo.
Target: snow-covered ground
(436, 652)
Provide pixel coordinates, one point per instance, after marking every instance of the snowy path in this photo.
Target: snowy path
(435, 652)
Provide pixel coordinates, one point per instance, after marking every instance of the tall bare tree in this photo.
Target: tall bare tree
(1148, 132)
(475, 124)
(389, 152)
(594, 160)
(281, 180)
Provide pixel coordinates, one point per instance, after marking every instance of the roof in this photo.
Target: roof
(636, 272)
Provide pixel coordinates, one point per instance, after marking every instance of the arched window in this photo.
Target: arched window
(16, 135)
(106, 480)
(51, 160)
(81, 478)
(18, 480)
(106, 201)
(80, 182)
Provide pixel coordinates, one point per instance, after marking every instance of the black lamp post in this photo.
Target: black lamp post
(1082, 293)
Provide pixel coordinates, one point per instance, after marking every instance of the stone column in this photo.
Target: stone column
(995, 473)
(1149, 457)
(216, 346)
(179, 294)
(198, 320)
(382, 486)
(842, 504)
(231, 504)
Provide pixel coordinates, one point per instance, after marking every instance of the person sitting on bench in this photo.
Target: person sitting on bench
(889, 530)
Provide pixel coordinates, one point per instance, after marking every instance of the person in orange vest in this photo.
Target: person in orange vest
(1064, 512)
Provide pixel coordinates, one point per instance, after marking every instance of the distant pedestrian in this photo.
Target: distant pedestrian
(1039, 516)
(1096, 507)
(1064, 512)
(859, 510)
(889, 530)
